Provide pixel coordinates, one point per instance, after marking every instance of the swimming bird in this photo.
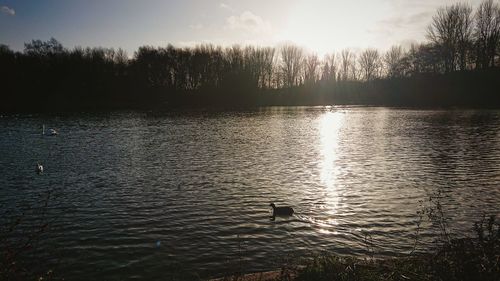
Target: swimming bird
(52, 132)
(39, 168)
(281, 211)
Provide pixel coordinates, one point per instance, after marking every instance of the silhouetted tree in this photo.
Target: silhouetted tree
(487, 33)
(347, 64)
(329, 69)
(442, 34)
(369, 61)
(394, 62)
(291, 64)
(311, 69)
(47, 75)
(268, 61)
(451, 32)
(41, 48)
(464, 34)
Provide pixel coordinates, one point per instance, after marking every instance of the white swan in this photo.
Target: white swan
(52, 132)
(39, 168)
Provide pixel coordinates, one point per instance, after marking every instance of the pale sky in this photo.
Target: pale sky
(321, 26)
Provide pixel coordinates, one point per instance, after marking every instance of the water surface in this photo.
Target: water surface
(137, 195)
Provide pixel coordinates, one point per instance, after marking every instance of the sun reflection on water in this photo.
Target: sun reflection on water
(330, 126)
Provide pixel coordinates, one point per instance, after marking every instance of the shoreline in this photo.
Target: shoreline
(255, 276)
(194, 109)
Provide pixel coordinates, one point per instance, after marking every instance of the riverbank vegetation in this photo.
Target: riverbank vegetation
(474, 258)
(458, 65)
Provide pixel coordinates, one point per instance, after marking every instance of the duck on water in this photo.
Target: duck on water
(281, 211)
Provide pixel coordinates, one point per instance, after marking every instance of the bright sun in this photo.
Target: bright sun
(324, 27)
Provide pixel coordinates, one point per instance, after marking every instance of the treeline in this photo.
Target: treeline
(458, 65)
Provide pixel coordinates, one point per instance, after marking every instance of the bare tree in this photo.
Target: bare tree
(451, 32)
(393, 62)
(329, 70)
(442, 32)
(354, 69)
(464, 33)
(347, 57)
(422, 58)
(234, 58)
(253, 64)
(268, 65)
(292, 58)
(311, 69)
(486, 33)
(121, 56)
(369, 61)
(43, 48)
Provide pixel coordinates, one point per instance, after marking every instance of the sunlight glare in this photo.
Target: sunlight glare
(324, 26)
(330, 125)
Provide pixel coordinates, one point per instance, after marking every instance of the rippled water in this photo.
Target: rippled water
(137, 195)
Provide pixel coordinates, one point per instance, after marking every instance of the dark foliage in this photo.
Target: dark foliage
(458, 66)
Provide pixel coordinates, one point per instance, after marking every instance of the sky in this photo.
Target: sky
(319, 26)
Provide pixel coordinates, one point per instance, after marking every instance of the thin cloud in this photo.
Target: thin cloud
(428, 5)
(403, 29)
(248, 21)
(8, 11)
(412, 25)
(412, 20)
(226, 7)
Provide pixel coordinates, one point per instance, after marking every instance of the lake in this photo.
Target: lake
(138, 195)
